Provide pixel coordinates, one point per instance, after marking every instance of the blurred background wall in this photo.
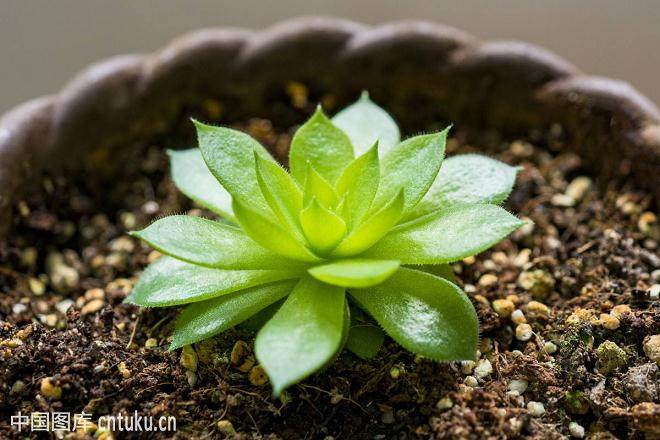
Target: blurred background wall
(44, 42)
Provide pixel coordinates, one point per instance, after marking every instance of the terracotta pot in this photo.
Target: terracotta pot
(418, 69)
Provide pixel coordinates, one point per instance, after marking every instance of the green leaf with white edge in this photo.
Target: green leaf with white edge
(205, 319)
(167, 282)
(354, 272)
(208, 243)
(317, 187)
(270, 235)
(364, 340)
(467, 179)
(425, 314)
(230, 158)
(446, 236)
(305, 333)
(412, 165)
(372, 230)
(366, 123)
(358, 185)
(439, 270)
(322, 144)
(323, 228)
(193, 178)
(280, 190)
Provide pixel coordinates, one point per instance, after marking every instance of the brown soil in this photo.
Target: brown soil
(583, 257)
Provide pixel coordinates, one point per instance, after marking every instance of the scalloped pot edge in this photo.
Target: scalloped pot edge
(505, 84)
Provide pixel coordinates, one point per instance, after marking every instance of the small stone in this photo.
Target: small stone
(444, 404)
(153, 256)
(648, 225)
(128, 220)
(503, 307)
(536, 409)
(191, 378)
(94, 294)
(654, 292)
(609, 322)
(49, 389)
(484, 368)
(18, 308)
(518, 385)
(522, 258)
(151, 343)
(37, 287)
(239, 352)
(610, 357)
(537, 309)
(225, 427)
(50, 319)
(578, 188)
(652, 348)
(524, 332)
(562, 200)
(549, 347)
(488, 280)
(539, 282)
(645, 418)
(122, 244)
(64, 305)
(471, 381)
(576, 430)
(388, 417)
(467, 366)
(150, 207)
(29, 256)
(17, 387)
(516, 424)
(642, 382)
(62, 277)
(620, 310)
(518, 317)
(581, 315)
(258, 376)
(93, 306)
(123, 370)
(188, 358)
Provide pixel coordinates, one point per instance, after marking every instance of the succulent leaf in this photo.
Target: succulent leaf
(366, 123)
(208, 243)
(412, 166)
(446, 236)
(167, 282)
(365, 339)
(358, 185)
(319, 188)
(354, 272)
(280, 191)
(372, 230)
(467, 179)
(323, 228)
(204, 319)
(270, 235)
(193, 178)
(322, 144)
(305, 333)
(425, 314)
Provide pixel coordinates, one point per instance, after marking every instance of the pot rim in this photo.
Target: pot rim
(120, 90)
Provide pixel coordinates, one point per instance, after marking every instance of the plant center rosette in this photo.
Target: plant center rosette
(354, 240)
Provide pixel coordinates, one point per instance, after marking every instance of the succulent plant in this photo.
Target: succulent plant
(354, 239)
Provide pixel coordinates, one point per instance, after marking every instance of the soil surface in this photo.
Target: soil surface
(568, 307)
